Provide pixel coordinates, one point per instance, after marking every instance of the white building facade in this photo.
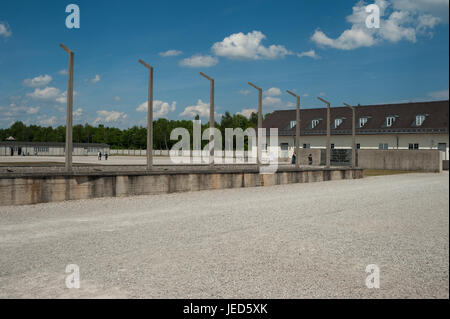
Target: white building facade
(395, 126)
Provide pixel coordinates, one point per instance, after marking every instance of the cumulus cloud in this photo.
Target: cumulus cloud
(272, 101)
(96, 79)
(240, 46)
(247, 112)
(48, 93)
(170, 53)
(5, 30)
(198, 61)
(399, 20)
(62, 72)
(78, 112)
(201, 109)
(104, 116)
(273, 92)
(41, 80)
(310, 54)
(14, 110)
(160, 108)
(50, 121)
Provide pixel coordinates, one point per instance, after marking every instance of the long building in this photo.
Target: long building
(16, 148)
(421, 125)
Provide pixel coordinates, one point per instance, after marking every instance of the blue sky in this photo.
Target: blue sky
(316, 48)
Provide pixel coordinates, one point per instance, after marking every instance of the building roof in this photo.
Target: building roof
(50, 144)
(436, 119)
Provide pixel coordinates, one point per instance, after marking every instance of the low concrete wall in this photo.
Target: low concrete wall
(39, 188)
(410, 160)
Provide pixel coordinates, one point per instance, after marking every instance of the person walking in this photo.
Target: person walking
(106, 156)
(294, 158)
(310, 159)
(99, 155)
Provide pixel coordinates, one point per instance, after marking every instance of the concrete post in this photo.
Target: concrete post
(69, 115)
(328, 150)
(211, 118)
(353, 135)
(297, 130)
(260, 120)
(149, 117)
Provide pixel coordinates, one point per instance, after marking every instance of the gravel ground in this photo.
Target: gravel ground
(289, 241)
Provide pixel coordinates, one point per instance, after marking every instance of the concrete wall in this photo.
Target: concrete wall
(33, 189)
(411, 160)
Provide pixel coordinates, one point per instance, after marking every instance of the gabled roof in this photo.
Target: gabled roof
(436, 119)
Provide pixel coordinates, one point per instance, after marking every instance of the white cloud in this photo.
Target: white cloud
(310, 54)
(240, 46)
(33, 110)
(62, 72)
(41, 80)
(272, 101)
(117, 98)
(14, 110)
(247, 112)
(104, 116)
(201, 109)
(305, 94)
(402, 21)
(198, 60)
(322, 94)
(160, 108)
(96, 79)
(439, 95)
(78, 112)
(244, 92)
(170, 53)
(48, 121)
(48, 93)
(273, 92)
(5, 30)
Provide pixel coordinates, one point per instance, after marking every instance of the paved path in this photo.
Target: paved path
(289, 241)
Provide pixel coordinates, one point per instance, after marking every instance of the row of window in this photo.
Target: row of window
(390, 120)
(381, 146)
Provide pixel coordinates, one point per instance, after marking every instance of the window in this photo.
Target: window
(314, 123)
(413, 146)
(383, 146)
(390, 120)
(292, 124)
(332, 146)
(306, 145)
(420, 119)
(362, 121)
(358, 146)
(337, 122)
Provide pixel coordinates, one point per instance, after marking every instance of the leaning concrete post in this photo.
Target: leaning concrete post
(259, 142)
(149, 116)
(328, 157)
(297, 130)
(69, 115)
(353, 134)
(211, 118)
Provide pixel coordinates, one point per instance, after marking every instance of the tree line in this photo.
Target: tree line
(131, 138)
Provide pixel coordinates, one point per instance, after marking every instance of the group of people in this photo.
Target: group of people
(100, 156)
(294, 158)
